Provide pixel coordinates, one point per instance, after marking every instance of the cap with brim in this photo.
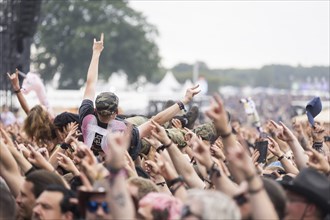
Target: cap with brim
(312, 185)
(106, 103)
(313, 108)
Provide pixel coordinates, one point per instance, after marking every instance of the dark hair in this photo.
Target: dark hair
(65, 204)
(41, 179)
(7, 203)
(277, 195)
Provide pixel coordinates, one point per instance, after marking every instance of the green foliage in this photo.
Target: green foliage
(276, 76)
(65, 37)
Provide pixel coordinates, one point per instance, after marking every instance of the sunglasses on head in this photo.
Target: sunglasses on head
(92, 206)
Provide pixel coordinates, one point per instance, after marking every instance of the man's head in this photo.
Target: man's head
(93, 204)
(307, 195)
(140, 187)
(106, 103)
(34, 184)
(55, 202)
(7, 202)
(202, 204)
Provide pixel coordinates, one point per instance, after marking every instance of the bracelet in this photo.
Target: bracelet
(161, 184)
(223, 136)
(163, 147)
(281, 157)
(173, 191)
(181, 105)
(17, 91)
(115, 173)
(213, 170)
(255, 191)
(174, 181)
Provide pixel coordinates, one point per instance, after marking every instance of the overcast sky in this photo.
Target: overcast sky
(241, 34)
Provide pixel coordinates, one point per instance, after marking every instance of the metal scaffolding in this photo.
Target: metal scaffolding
(18, 24)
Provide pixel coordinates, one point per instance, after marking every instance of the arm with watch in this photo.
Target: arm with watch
(167, 114)
(218, 114)
(286, 163)
(258, 195)
(214, 173)
(299, 154)
(180, 163)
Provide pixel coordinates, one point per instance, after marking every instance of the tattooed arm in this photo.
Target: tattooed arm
(118, 197)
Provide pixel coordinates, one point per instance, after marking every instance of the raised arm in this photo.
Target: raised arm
(180, 163)
(121, 204)
(93, 69)
(17, 90)
(9, 169)
(168, 113)
(300, 157)
(219, 116)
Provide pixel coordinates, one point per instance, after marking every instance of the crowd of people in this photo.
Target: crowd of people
(100, 164)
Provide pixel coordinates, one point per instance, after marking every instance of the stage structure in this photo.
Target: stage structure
(18, 24)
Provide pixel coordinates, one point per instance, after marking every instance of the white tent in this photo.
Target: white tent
(168, 83)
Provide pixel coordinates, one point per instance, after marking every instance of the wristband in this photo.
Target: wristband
(17, 91)
(161, 184)
(163, 147)
(174, 181)
(213, 170)
(173, 191)
(181, 105)
(281, 157)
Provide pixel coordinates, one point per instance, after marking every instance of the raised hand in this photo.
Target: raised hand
(176, 123)
(202, 153)
(14, 80)
(71, 130)
(218, 114)
(241, 161)
(286, 134)
(151, 168)
(274, 147)
(318, 132)
(318, 161)
(189, 136)
(38, 160)
(98, 45)
(190, 93)
(217, 150)
(118, 144)
(159, 133)
(66, 163)
(152, 141)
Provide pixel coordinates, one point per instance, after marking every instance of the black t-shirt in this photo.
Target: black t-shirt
(95, 132)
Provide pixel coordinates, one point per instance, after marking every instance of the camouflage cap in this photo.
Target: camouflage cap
(206, 131)
(177, 136)
(106, 103)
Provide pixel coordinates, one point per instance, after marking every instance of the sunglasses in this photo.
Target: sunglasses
(185, 212)
(93, 206)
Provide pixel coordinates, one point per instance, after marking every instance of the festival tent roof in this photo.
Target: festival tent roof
(168, 83)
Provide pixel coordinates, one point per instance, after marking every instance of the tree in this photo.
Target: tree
(65, 35)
